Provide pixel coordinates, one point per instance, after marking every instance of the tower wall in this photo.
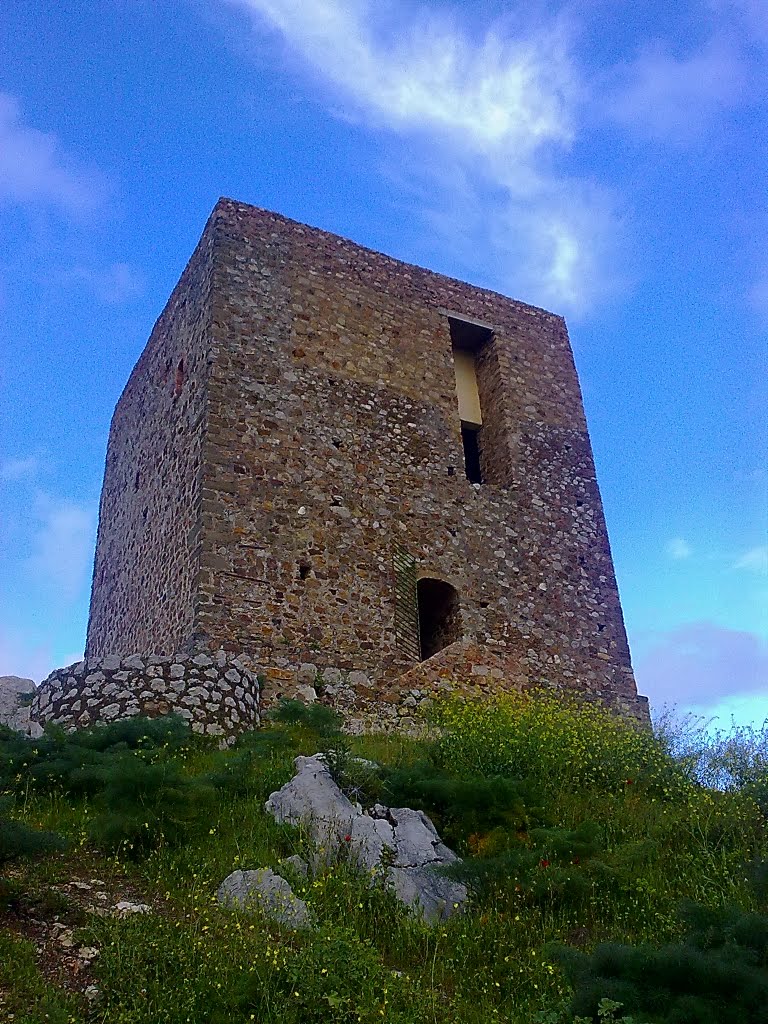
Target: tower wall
(334, 441)
(286, 461)
(147, 552)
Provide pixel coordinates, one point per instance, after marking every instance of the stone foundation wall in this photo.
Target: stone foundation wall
(464, 669)
(216, 693)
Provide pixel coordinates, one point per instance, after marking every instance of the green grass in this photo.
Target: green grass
(25, 995)
(577, 830)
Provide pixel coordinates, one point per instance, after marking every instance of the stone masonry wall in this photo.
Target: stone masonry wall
(334, 437)
(147, 553)
(216, 694)
(256, 504)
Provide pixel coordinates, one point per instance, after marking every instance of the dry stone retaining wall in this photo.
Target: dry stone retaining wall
(216, 693)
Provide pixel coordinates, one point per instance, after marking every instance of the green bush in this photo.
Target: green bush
(140, 806)
(20, 840)
(466, 807)
(558, 742)
(335, 978)
(71, 761)
(318, 718)
(717, 975)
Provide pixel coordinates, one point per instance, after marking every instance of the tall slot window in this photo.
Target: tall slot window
(467, 340)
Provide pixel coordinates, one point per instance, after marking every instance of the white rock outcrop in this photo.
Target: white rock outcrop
(15, 697)
(399, 842)
(266, 892)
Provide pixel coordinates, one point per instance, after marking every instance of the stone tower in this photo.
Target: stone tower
(355, 475)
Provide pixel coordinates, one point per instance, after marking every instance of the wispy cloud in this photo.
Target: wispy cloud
(672, 98)
(749, 18)
(19, 469)
(24, 655)
(113, 285)
(34, 168)
(754, 560)
(678, 549)
(62, 546)
(502, 107)
(701, 664)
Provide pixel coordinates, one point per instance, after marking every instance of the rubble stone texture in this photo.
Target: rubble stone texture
(216, 694)
(286, 463)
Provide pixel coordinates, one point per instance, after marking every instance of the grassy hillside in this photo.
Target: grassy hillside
(608, 881)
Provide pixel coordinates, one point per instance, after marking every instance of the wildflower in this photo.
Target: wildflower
(347, 839)
(543, 863)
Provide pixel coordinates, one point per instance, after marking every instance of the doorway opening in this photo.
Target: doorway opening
(439, 615)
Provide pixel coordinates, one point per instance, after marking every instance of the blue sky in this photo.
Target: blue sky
(604, 160)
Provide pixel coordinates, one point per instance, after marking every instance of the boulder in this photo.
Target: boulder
(266, 892)
(15, 696)
(397, 842)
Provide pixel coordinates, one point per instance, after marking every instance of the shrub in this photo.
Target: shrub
(463, 807)
(717, 975)
(20, 840)
(70, 761)
(140, 806)
(558, 742)
(333, 979)
(733, 761)
(317, 718)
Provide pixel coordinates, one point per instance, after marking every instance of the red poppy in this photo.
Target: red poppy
(347, 839)
(629, 782)
(543, 863)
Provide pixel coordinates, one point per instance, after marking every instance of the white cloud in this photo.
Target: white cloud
(62, 546)
(18, 469)
(678, 549)
(24, 653)
(112, 285)
(33, 167)
(749, 18)
(499, 110)
(674, 98)
(754, 560)
(702, 664)
(502, 91)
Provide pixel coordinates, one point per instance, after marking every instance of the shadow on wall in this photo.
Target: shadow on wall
(439, 615)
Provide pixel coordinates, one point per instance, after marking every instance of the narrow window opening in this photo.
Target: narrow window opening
(179, 380)
(469, 439)
(439, 615)
(305, 568)
(467, 341)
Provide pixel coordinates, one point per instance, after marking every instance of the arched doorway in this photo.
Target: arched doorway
(439, 615)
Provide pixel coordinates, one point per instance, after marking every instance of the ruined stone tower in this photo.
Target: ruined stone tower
(356, 475)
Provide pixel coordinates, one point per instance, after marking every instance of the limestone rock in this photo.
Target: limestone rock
(15, 694)
(400, 843)
(296, 864)
(267, 892)
(126, 907)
